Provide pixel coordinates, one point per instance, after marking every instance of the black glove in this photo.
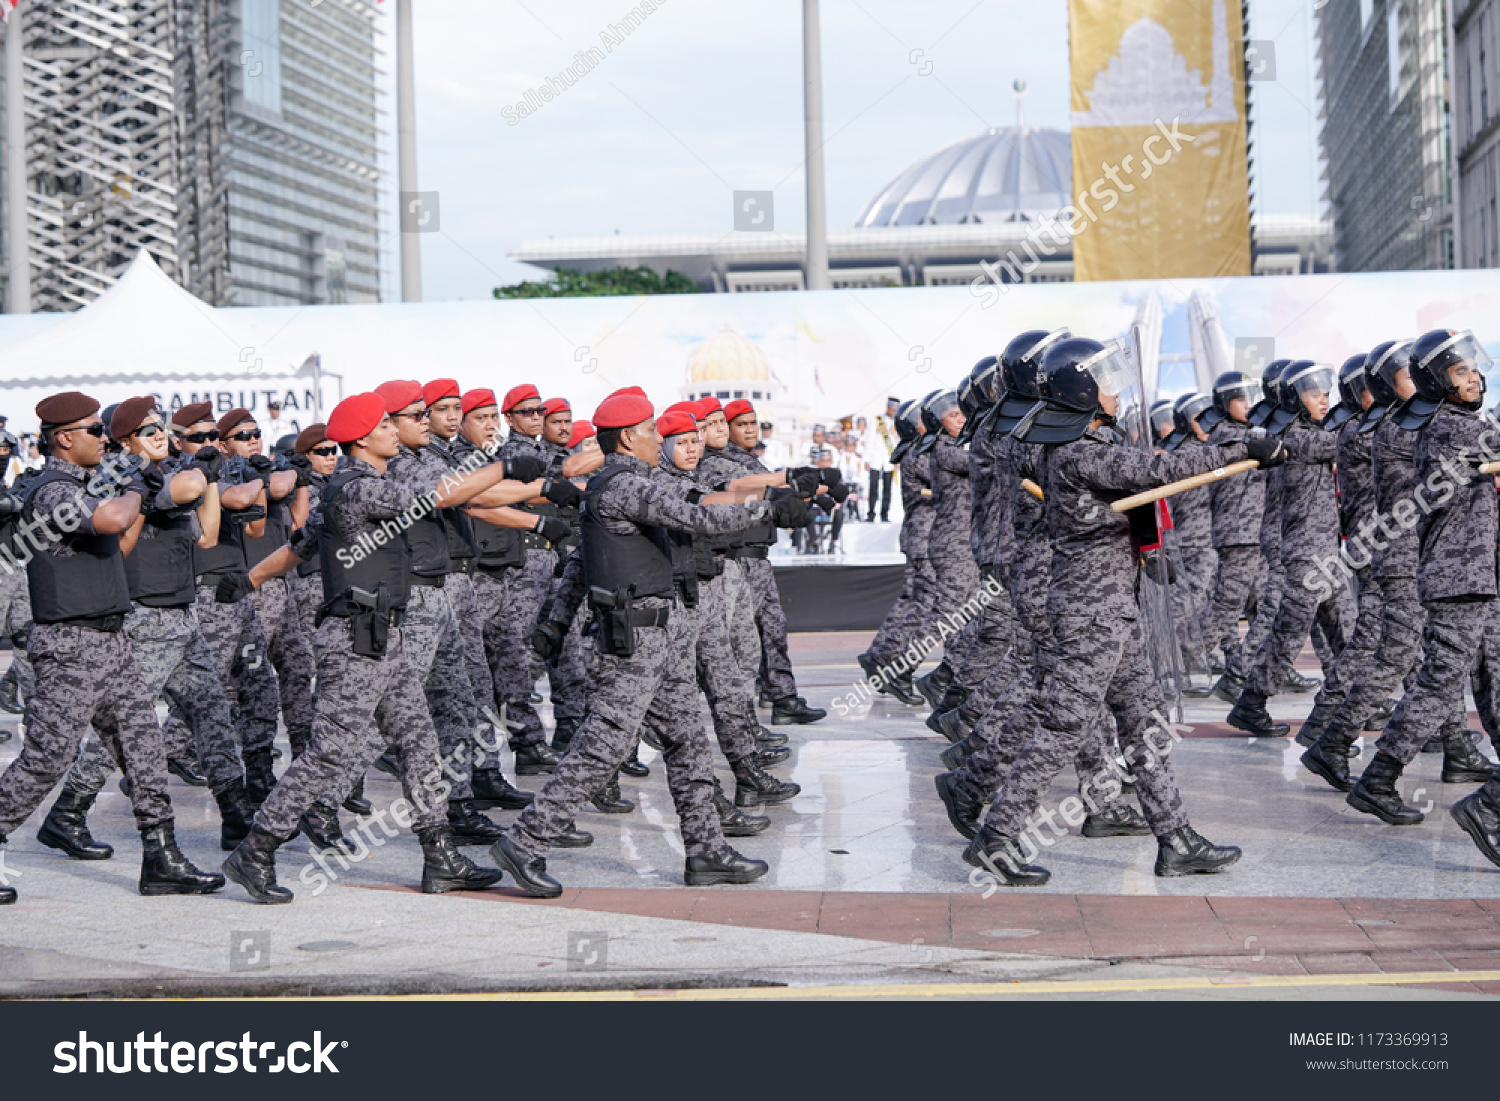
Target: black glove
(551, 529)
(1266, 450)
(261, 464)
(789, 512)
(803, 472)
(840, 492)
(210, 460)
(805, 485)
(562, 492)
(525, 468)
(830, 477)
(547, 639)
(154, 480)
(232, 588)
(1159, 569)
(821, 503)
(303, 466)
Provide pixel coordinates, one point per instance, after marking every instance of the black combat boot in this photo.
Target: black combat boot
(608, 800)
(1298, 682)
(165, 871)
(793, 711)
(390, 764)
(260, 776)
(734, 822)
(770, 756)
(357, 803)
(1185, 851)
(953, 725)
(953, 698)
(1375, 793)
(767, 738)
(10, 694)
(1118, 821)
(963, 808)
(1462, 761)
(632, 766)
(446, 869)
(955, 755)
(536, 759)
(1251, 716)
(890, 684)
(8, 895)
(320, 825)
(1228, 688)
(1329, 760)
(530, 872)
(1480, 819)
(1001, 856)
(754, 786)
(934, 684)
(234, 816)
(186, 770)
(492, 791)
(1313, 725)
(723, 866)
(573, 838)
(562, 734)
(1216, 662)
(66, 828)
(468, 826)
(253, 867)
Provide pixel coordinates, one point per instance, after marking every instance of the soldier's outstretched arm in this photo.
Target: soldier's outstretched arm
(278, 563)
(504, 517)
(1127, 470)
(585, 462)
(640, 501)
(507, 492)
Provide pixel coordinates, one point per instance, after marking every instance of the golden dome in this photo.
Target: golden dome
(728, 357)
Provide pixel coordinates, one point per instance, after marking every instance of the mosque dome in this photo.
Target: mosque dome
(1009, 174)
(728, 365)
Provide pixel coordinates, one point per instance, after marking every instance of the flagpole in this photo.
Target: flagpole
(406, 152)
(18, 298)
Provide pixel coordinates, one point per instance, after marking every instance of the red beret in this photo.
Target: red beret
(478, 399)
(688, 407)
(622, 411)
(355, 417)
(190, 415)
(737, 408)
(517, 394)
(310, 437)
(708, 406)
(636, 390)
(675, 423)
(440, 388)
(582, 430)
(556, 405)
(65, 408)
(129, 415)
(399, 394)
(232, 418)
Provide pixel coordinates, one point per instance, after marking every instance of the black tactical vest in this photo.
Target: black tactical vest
(278, 530)
(348, 564)
(160, 569)
(642, 559)
(85, 585)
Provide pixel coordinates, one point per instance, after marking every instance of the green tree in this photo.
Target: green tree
(567, 283)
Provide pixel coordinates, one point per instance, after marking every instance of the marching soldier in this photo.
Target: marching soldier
(566, 675)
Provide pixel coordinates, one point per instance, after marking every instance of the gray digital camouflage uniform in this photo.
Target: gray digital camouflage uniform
(1236, 505)
(948, 542)
(913, 608)
(1196, 562)
(770, 617)
(992, 629)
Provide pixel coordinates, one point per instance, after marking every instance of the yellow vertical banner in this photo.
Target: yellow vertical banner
(1159, 161)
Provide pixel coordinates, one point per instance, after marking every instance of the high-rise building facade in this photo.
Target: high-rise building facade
(1383, 73)
(236, 140)
(1476, 130)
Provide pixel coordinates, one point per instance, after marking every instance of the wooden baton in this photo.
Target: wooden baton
(1032, 488)
(1489, 468)
(1171, 489)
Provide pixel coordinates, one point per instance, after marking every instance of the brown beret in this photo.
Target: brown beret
(310, 437)
(129, 416)
(235, 416)
(190, 415)
(65, 408)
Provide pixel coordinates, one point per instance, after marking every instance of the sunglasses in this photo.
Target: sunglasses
(210, 436)
(422, 416)
(534, 411)
(247, 436)
(146, 431)
(95, 430)
(331, 449)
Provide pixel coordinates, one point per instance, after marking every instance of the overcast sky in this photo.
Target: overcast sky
(706, 97)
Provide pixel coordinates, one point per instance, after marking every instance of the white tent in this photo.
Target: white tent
(148, 335)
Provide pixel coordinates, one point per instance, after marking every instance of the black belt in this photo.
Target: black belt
(461, 565)
(494, 571)
(749, 552)
(429, 582)
(532, 541)
(109, 624)
(396, 614)
(649, 617)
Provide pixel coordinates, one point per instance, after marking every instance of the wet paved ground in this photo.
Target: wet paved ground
(866, 887)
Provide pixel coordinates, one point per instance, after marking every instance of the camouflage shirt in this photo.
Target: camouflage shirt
(916, 523)
(1460, 535)
(1392, 545)
(985, 489)
(1356, 479)
(1239, 503)
(952, 503)
(1192, 512)
(1031, 564)
(1309, 498)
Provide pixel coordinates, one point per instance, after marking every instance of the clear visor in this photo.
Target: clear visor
(1039, 349)
(1111, 368)
(1250, 390)
(943, 404)
(1466, 347)
(1400, 351)
(1161, 417)
(1320, 378)
(1355, 383)
(1192, 407)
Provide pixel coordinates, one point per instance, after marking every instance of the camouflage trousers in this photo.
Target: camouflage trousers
(507, 613)
(1300, 606)
(1398, 649)
(174, 662)
(651, 687)
(567, 679)
(911, 612)
(1195, 566)
(1486, 683)
(15, 617)
(1005, 728)
(991, 632)
(291, 657)
(541, 568)
(85, 677)
(1236, 578)
(957, 584)
(770, 622)
(434, 652)
(1268, 604)
(739, 614)
(237, 641)
(1360, 643)
(353, 692)
(308, 594)
(1105, 664)
(701, 636)
(1454, 634)
(465, 603)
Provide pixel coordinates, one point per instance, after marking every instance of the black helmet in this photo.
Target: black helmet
(1163, 416)
(907, 415)
(985, 377)
(1268, 401)
(285, 444)
(1020, 374)
(1352, 388)
(1189, 407)
(1075, 372)
(1381, 365)
(1304, 376)
(934, 406)
(968, 397)
(1235, 384)
(7, 440)
(1281, 415)
(1435, 353)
